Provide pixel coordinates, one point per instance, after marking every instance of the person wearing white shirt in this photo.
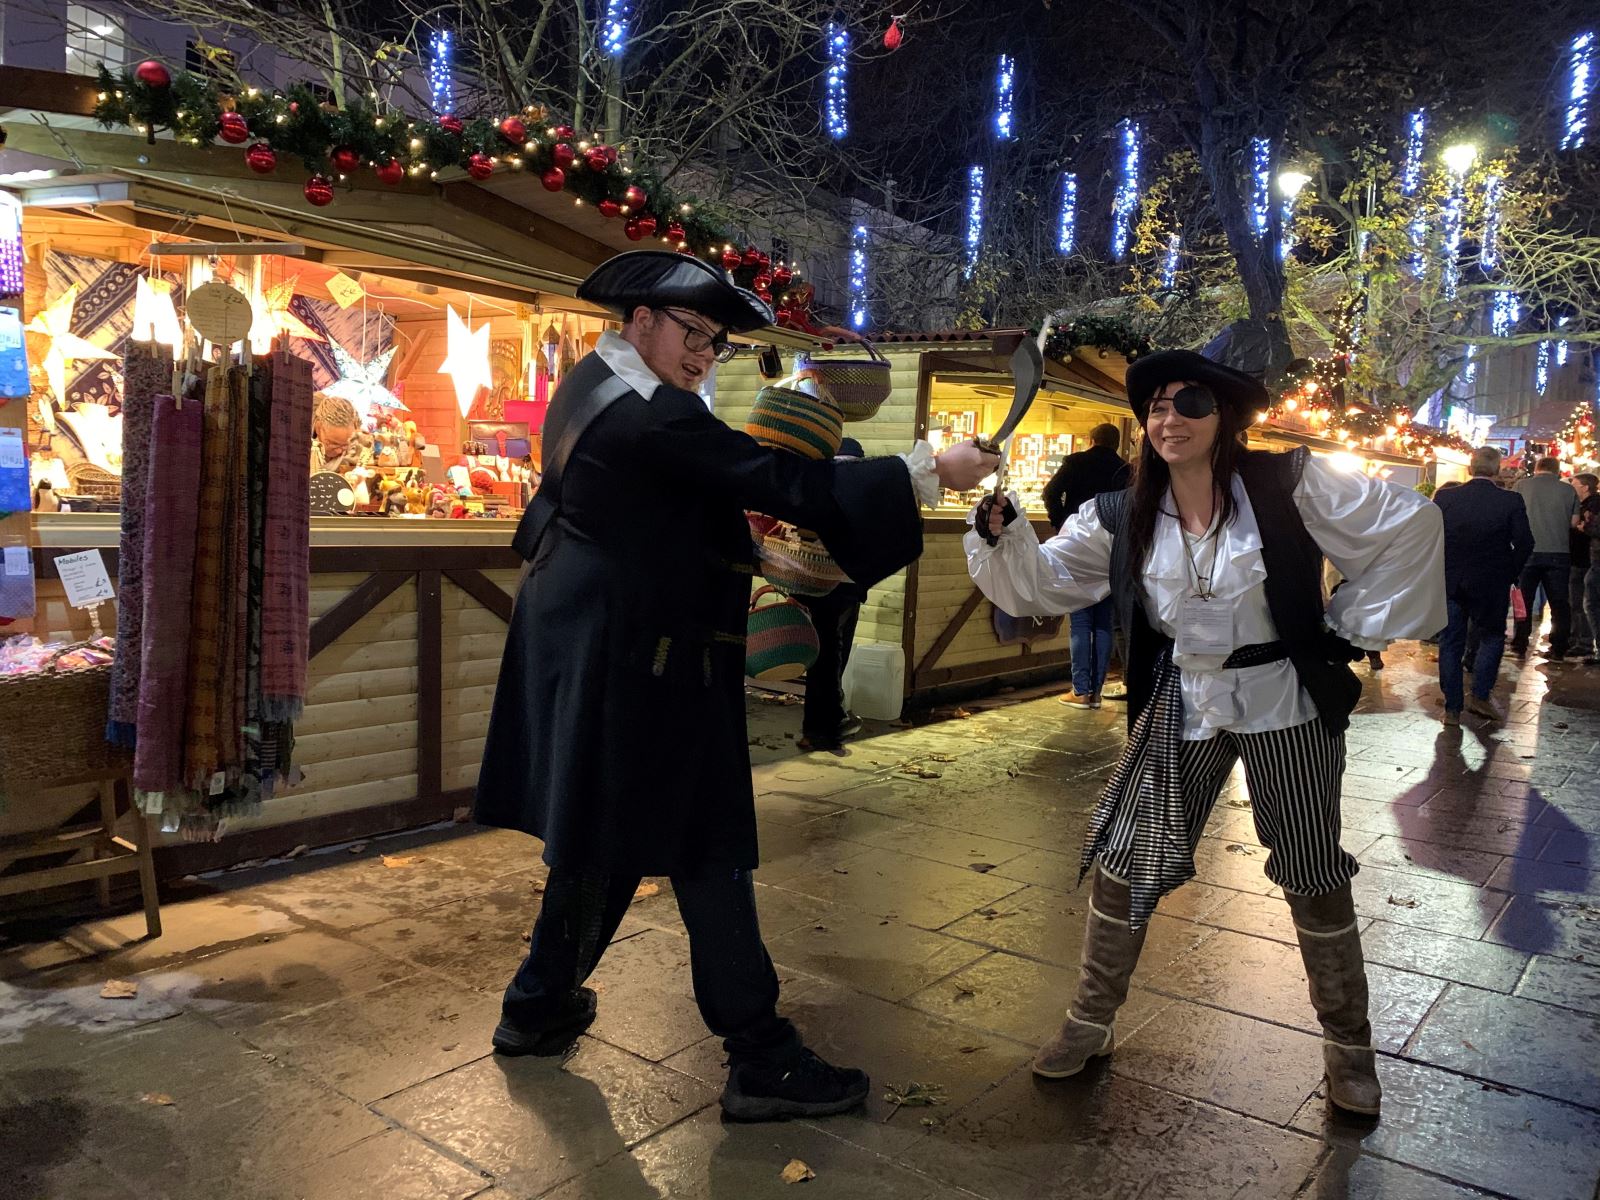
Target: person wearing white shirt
(1213, 557)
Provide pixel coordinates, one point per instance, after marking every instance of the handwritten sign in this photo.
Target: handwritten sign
(84, 577)
(219, 313)
(16, 560)
(345, 291)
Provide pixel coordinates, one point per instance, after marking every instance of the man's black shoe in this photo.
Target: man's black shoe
(549, 1036)
(850, 726)
(802, 1086)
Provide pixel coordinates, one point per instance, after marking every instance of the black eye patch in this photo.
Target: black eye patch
(1195, 401)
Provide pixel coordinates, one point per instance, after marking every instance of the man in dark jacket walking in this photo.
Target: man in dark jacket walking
(1487, 542)
(1082, 477)
(1551, 504)
(618, 728)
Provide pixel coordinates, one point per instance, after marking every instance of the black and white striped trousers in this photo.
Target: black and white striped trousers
(1293, 776)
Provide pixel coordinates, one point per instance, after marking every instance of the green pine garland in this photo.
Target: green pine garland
(1103, 333)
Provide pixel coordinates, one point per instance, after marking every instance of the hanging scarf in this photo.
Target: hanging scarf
(286, 595)
(234, 594)
(168, 554)
(145, 373)
(1144, 796)
(201, 752)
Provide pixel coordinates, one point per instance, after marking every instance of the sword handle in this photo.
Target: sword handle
(984, 444)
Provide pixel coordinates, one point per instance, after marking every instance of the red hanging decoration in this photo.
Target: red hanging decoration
(782, 278)
(761, 283)
(609, 208)
(345, 159)
(554, 179)
(752, 257)
(647, 223)
(635, 197)
(675, 233)
(152, 74)
(234, 129)
(595, 159)
(514, 130)
(634, 229)
(319, 191)
(451, 124)
(895, 34)
(730, 260)
(564, 133)
(391, 172)
(562, 155)
(480, 166)
(261, 159)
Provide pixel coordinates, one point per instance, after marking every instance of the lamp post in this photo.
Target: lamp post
(1290, 184)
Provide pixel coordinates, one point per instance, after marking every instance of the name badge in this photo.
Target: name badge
(1205, 627)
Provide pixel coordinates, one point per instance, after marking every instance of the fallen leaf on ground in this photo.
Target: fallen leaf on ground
(401, 860)
(646, 890)
(161, 1098)
(297, 851)
(981, 868)
(917, 772)
(1402, 902)
(972, 1049)
(119, 989)
(840, 871)
(796, 1172)
(1469, 1045)
(965, 993)
(913, 1095)
(941, 758)
(528, 936)
(1238, 848)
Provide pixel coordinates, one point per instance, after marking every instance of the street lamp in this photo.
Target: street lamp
(1290, 183)
(1460, 157)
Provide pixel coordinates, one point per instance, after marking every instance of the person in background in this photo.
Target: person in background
(1587, 522)
(334, 426)
(1585, 643)
(826, 724)
(1551, 505)
(1487, 543)
(1081, 478)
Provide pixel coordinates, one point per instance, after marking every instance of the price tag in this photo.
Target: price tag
(1205, 627)
(84, 577)
(345, 291)
(16, 559)
(11, 449)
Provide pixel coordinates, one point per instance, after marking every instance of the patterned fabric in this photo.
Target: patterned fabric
(168, 558)
(235, 595)
(260, 422)
(146, 374)
(286, 593)
(1143, 811)
(202, 753)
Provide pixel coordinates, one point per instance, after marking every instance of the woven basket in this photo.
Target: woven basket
(784, 418)
(858, 386)
(780, 642)
(53, 729)
(798, 567)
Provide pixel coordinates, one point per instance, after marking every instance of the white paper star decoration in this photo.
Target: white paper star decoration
(274, 317)
(55, 323)
(154, 317)
(363, 383)
(467, 362)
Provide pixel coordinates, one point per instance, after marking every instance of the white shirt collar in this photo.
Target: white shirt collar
(625, 362)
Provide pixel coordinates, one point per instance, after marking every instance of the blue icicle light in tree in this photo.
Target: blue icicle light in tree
(1469, 366)
(974, 216)
(1067, 226)
(441, 71)
(835, 100)
(858, 278)
(614, 28)
(1450, 243)
(1489, 251)
(1504, 312)
(1541, 368)
(1126, 202)
(1169, 261)
(1260, 185)
(1411, 181)
(1581, 71)
(1563, 347)
(1004, 91)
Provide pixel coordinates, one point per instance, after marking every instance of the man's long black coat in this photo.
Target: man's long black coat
(1487, 542)
(618, 729)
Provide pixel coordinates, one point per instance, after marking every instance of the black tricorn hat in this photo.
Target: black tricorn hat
(666, 279)
(1149, 374)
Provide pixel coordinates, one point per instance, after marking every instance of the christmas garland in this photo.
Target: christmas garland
(334, 143)
(1103, 333)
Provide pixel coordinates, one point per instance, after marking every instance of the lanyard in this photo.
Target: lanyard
(1202, 582)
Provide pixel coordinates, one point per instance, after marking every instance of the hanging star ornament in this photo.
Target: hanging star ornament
(362, 383)
(275, 318)
(55, 323)
(467, 362)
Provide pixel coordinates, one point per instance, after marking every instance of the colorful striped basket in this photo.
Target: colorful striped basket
(785, 418)
(798, 566)
(858, 386)
(780, 642)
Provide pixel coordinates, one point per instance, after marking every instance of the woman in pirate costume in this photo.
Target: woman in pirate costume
(1213, 557)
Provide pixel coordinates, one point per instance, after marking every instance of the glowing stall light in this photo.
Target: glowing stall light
(1541, 368)
(1169, 261)
(858, 278)
(1004, 89)
(835, 104)
(614, 28)
(1563, 348)
(1582, 84)
(1489, 251)
(441, 71)
(974, 216)
(1126, 203)
(1260, 186)
(1504, 312)
(1067, 227)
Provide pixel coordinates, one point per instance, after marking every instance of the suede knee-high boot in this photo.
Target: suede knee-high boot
(1330, 947)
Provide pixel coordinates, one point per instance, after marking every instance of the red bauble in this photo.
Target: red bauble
(345, 159)
(261, 159)
(480, 166)
(565, 133)
(234, 129)
(752, 257)
(894, 35)
(562, 155)
(153, 74)
(675, 233)
(611, 153)
(782, 278)
(319, 191)
(391, 172)
(764, 294)
(609, 207)
(595, 159)
(514, 130)
(554, 179)
(761, 282)
(764, 263)
(635, 197)
(451, 124)
(648, 224)
(784, 316)
(730, 260)
(634, 229)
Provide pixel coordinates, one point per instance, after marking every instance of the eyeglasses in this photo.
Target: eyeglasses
(698, 341)
(1194, 401)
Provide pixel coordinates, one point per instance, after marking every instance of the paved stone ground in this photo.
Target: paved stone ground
(319, 1028)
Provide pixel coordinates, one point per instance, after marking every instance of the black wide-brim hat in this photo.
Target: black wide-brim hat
(1149, 374)
(666, 279)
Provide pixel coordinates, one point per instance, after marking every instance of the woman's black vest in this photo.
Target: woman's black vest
(1293, 584)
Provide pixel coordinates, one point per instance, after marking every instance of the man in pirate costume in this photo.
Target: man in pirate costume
(618, 729)
(1213, 557)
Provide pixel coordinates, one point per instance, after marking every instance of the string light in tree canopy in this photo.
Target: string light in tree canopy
(1563, 347)
(1489, 250)
(1411, 181)
(1125, 204)
(1581, 72)
(1577, 436)
(1169, 261)
(441, 71)
(1541, 368)
(858, 278)
(614, 28)
(835, 96)
(1004, 87)
(1067, 224)
(1260, 185)
(974, 216)
(1504, 312)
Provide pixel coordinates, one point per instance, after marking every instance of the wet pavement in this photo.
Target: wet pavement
(319, 1028)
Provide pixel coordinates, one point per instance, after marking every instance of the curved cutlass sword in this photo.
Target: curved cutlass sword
(1027, 373)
